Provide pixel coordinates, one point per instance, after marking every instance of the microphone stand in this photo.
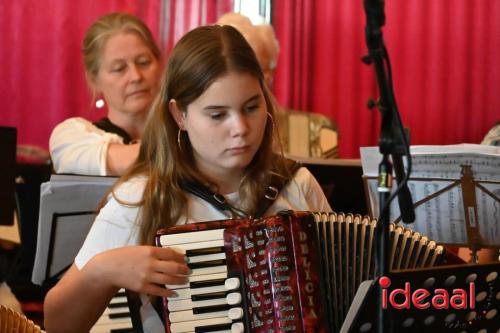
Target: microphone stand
(392, 142)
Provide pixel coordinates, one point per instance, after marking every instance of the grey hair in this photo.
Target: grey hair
(258, 36)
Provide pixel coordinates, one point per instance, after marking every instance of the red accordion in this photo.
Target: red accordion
(293, 272)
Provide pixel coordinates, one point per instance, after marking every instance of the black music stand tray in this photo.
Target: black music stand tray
(484, 317)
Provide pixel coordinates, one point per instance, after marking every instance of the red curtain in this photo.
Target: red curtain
(444, 55)
(445, 64)
(180, 16)
(43, 79)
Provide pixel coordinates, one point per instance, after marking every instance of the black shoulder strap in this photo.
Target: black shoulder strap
(107, 126)
(275, 185)
(134, 305)
(201, 191)
(218, 201)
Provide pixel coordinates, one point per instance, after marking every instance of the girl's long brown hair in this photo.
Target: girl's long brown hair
(202, 56)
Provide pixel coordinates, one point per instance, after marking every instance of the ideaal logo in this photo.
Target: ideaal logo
(422, 298)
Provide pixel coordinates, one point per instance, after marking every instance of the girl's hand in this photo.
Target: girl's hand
(144, 269)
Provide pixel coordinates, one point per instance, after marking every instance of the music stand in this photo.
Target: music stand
(341, 180)
(456, 203)
(484, 316)
(68, 206)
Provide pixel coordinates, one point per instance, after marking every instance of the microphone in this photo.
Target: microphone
(404, 196)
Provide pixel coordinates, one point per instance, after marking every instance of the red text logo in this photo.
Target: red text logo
(422, 298)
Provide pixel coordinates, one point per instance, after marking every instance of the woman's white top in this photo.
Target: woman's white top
(79, 147)
(117, 225)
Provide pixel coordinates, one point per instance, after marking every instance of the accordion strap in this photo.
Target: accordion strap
(218, 201)
(134, 305)
(275, 185)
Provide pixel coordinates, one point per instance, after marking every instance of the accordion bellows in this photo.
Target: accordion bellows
(297, 271)
(347, 249)
(12, 321)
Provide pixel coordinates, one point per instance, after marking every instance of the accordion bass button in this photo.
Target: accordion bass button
(233, 298)
(232, 283)
(237, 328)
(235, 313)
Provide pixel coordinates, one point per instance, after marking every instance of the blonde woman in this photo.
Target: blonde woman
(123, 68)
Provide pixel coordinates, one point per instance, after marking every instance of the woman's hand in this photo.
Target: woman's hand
(144, 269)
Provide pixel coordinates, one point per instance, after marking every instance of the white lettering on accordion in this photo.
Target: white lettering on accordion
(281, 269)
(256, 322)
(279, 259)
(250, 262)
(248, 244)
(281, 278)
(277, 239)
(278, 228)
(282, 289)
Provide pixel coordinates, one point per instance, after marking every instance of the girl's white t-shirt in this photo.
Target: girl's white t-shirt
(117, 223)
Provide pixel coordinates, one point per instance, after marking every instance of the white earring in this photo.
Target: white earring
(99, 103)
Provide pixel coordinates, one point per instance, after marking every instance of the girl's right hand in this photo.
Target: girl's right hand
(143, 269)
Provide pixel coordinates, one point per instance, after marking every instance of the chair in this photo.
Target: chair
(29, 175)
(308, 134)
(13, 322)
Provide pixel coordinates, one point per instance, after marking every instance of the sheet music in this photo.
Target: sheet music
(449, 223)
(489, 210)
(443, 218)
(442, 161)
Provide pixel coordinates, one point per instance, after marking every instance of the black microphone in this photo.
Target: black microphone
(404, 196)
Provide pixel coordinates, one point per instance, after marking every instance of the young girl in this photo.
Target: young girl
(123, 68)
(211, 125)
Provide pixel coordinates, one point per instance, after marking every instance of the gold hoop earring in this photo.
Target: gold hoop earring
(179, 139)
(276, 137)
(272, 120)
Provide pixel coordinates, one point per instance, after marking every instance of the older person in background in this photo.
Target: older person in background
(123, 68)
(492, 138)
(314, 134)
(261, 38)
